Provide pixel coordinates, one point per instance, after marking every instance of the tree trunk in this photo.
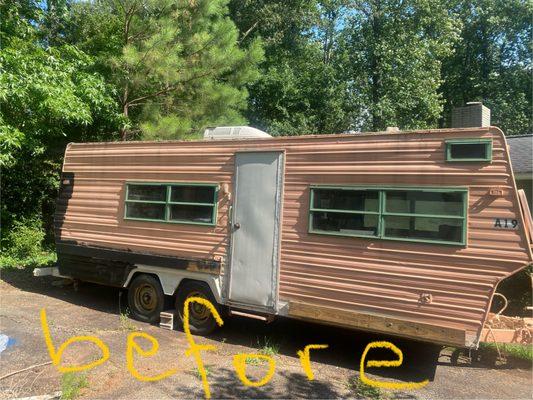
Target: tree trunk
(485, 60)
(375, 67)
(125, 102)
(125, 109)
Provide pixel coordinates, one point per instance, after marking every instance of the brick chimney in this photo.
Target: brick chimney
(474, 114)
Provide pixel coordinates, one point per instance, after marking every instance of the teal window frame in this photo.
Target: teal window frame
(486, 142)
(168, 203)
(382, 213)
(332, 210)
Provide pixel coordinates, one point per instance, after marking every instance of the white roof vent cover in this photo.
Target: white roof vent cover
(234, 132)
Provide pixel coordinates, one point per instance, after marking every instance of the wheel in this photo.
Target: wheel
(146, 299)
(201, 321)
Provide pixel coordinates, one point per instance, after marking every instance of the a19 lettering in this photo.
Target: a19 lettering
(505, 223)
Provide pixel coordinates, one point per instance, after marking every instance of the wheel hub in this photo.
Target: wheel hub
(145, 298)
(198, 311)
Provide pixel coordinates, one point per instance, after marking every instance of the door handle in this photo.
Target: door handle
(236, 225)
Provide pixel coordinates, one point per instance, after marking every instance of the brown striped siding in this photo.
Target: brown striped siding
(374, 276)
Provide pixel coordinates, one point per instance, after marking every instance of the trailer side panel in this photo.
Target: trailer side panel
(442, 285)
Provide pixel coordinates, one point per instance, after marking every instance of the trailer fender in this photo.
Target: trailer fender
(171, 278)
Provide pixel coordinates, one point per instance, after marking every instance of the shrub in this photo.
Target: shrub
(22, 246)
(25, 240)
(45, 259)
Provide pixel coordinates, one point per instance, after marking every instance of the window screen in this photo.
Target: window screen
(426, 215)
(469, 150)
(181, 203)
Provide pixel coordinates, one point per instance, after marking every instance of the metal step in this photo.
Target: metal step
(264, 318)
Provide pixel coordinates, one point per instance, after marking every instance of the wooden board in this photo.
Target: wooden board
(390, 326)
(506, 336)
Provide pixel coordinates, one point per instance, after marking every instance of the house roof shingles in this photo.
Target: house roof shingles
(521, 149)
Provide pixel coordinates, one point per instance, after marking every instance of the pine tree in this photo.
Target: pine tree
(177, 64)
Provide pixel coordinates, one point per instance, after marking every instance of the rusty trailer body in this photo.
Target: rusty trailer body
(405, 233)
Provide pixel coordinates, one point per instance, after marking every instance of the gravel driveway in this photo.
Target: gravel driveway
(95, 310)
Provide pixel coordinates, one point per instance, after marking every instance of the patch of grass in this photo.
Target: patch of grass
(269, 347)
(252, 361)
(514, 350)
(361, 390)
(71, 384)
(125, 322)
(207, 371)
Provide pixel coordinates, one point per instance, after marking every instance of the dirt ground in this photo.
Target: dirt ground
(96, 310)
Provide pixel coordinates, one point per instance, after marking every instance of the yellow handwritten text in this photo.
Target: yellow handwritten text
(131, 346)
(239, 362)
(386, 364)
(305, 358)
(56, 355)
(196, 349)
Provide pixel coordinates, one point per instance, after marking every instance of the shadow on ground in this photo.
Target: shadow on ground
(96, 297)
(284, 335)
(224, 384)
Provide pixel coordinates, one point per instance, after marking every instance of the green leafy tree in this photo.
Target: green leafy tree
(302, 88)
(18, 20)
(49, 96)
(492, 62)
(335, 65)
(117, 69)
(393, 52)
(177, 65)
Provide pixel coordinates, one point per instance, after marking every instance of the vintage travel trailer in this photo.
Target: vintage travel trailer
(404, 233)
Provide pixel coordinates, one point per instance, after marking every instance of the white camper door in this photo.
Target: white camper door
(256, 216)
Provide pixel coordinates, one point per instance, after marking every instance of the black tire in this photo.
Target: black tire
(201, 321)
(146, 299)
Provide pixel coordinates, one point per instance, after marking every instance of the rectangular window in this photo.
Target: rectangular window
(344, 211)
(475, 150)
(416, 214)
(172, 202)
(422, 215)
(145, 211)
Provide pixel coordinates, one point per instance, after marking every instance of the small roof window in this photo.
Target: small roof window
(469, 150)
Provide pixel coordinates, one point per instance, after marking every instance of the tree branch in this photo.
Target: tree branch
(128, 17)
(168, 89)
(248, 31)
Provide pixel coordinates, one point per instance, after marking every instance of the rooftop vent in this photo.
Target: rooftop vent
(234, 132)
(474, 114)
